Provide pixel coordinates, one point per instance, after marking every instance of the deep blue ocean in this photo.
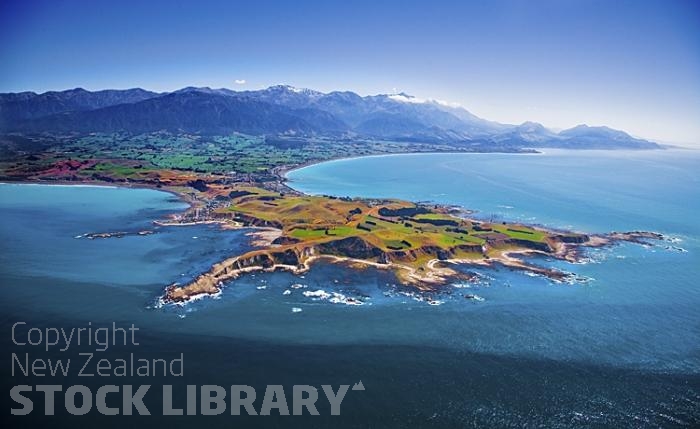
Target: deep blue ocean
(620, 349)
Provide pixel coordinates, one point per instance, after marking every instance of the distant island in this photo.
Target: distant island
(226, 153)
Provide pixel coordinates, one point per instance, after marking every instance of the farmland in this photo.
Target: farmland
(126, 156)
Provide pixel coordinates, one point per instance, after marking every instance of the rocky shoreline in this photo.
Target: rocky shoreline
(277, 252)
(437, 274)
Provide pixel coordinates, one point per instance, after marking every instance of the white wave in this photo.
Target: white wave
(332, 297)
(461, 285)
(320, 294)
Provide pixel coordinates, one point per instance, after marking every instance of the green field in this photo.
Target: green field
(236, 153)
(309, 219)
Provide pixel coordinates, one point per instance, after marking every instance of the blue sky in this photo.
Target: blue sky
(633, 65)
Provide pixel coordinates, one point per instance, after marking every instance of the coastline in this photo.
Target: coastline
(116, 185)
(96, 184)
(437, 273)
(279, 172)
(435, 276)
(282, 171)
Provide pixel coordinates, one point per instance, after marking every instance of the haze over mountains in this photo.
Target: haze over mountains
(286, 111)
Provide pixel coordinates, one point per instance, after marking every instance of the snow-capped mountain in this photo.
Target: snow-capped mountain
(284, 109)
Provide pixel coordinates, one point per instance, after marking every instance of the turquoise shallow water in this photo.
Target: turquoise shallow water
(622, 349)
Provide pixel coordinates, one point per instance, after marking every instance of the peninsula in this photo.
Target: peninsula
(419, 243)
(226, 153)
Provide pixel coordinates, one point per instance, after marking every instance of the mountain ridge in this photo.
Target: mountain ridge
(284, 110)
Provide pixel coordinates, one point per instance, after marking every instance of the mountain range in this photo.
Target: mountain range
(283, 110)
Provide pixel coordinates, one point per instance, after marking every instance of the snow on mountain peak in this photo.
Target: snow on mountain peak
(405, 98)
(290, 88)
